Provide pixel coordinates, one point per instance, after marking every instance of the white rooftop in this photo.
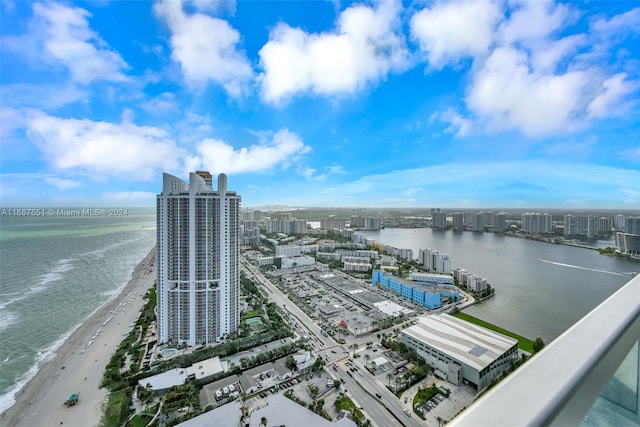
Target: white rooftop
(224, 416)
(283, 411)
(391, 308)
(177, 376)
(463, 341)
(379, 361)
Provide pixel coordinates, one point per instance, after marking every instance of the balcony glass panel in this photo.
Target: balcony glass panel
(619, 402)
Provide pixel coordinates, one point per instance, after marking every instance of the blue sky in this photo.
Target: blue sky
(448, 103)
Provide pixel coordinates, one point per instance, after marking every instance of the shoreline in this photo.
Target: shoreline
(77, 365)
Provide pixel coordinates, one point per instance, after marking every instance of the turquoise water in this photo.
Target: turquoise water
(55, 272)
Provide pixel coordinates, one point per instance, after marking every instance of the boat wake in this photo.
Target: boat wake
(582, 268)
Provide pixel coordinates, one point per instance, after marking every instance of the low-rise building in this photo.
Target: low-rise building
(432, 278)
(424, 294)
(459, 351)
(357, 267)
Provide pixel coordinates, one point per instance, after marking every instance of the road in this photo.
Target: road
(388, 399)
(385, 412)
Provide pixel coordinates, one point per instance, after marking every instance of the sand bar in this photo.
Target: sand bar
(84, 357)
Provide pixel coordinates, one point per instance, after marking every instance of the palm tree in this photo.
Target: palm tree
(313, 391)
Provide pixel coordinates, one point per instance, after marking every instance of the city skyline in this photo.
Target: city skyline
(454, 104)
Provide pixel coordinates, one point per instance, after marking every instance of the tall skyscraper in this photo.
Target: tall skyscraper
(458, 221)
(198, 246)
(439, 220)
(500, 222)
(435, 261)
(537, 222)
(581, 225)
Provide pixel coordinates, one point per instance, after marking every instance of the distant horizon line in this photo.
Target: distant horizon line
(353, 208)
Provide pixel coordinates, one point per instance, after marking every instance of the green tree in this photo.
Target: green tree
(263, 421)
(291, 363)
(314, 391)
(538, 345)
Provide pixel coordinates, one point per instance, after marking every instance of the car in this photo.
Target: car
(378, 396)
(406, 399)
(407, 412)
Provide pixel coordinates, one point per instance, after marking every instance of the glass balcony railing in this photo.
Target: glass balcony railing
(589, 376)
(618, 404)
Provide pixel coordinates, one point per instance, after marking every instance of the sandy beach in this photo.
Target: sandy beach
(79, 363)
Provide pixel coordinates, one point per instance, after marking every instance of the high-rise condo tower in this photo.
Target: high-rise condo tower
(198, 246)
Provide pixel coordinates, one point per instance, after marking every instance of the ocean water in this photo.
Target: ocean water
(55, 271)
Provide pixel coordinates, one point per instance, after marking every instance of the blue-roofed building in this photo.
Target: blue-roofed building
(426, 294)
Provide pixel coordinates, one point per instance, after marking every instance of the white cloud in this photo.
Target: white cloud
(62, 183)
(213, 5)
(448, 32)
(42, 96)
(101, 149)
(366, 45)
(161, 104)
(458, 125)
(205, 47)
(549, 54)
(283, 149)
(60, 35)
(610, 98)
(524, 77)
(629, 20)
(508, 94)
(309, 173)
(533, 21)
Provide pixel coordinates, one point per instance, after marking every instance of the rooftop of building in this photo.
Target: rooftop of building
(282, 411)
(431, 288)
(177, 376)
(225, 415)
(421, 275)
(471, 344)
